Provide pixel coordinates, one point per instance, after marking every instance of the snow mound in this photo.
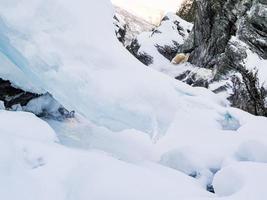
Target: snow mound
(36, 167)
(253, 151)
(228, 182)
(192, 163)
(242, 181)
(27, 126)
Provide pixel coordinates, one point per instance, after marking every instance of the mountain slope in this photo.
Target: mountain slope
(156, 48)
(227, 48)
(137, 133)
(128, 26)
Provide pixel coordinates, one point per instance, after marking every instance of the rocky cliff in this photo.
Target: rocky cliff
(227, 46)
(187, 10)
(230, 38)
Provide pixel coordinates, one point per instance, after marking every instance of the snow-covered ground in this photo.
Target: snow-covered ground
(83, 161)
(138, 134)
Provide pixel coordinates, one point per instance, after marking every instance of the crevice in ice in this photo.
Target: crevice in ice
(210, 188)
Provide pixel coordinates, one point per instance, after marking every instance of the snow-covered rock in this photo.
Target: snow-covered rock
(42, 105)
(161, 44)
(233, 45)
(128, 26)
(228, 42)
(46, 106)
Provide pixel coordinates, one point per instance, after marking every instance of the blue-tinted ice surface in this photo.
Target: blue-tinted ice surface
(230, 123)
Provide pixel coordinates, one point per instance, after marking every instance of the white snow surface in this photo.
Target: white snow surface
(138, 133)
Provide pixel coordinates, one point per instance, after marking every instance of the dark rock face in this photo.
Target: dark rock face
(253, 29)
(42, 105)
(248, 94)
(141, 56)
(223, 32)
(167, 51)
(12, 96)
(216, 23)
(191, 79)
(187, 10)
(120, 29)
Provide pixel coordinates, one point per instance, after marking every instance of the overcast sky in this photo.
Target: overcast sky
(149, 9)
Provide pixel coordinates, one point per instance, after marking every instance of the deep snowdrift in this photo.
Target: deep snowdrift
(140, 134)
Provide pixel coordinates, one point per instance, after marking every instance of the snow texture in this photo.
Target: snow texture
(138, 134)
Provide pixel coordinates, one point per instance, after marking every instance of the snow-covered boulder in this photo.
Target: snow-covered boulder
(162, 43)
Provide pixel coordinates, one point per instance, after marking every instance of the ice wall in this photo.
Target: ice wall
(69, 49)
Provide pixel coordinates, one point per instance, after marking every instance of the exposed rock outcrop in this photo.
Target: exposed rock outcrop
(227, 46)
(128, 26)
(216, 23)
(42, 105)
(230, 38)
(160, 46)
(143, 57)
(11, 95)
(187, 11)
